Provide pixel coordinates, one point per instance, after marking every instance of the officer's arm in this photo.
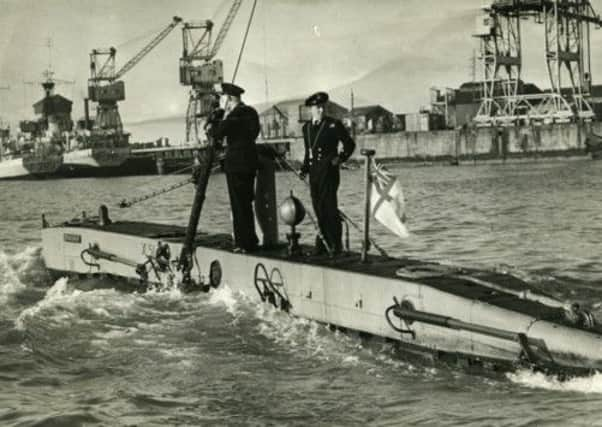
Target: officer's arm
(213, 122)
(254, 125)
(346, 140)
(225, 126)
(305, 166)
(246, 119)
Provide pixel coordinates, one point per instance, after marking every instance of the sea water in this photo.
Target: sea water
(72, 356)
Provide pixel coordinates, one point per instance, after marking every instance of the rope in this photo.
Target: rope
(244, 41)
(134, 201)
(126, 204)
(148, 183)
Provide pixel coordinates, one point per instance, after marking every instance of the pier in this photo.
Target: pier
(156, 158)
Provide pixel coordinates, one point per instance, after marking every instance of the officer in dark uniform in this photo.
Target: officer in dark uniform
(322, 136)
(240, 128)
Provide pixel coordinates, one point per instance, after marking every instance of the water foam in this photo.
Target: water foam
(225, 296)
(63, 303)
(56, 294)
(307, 337)
(16, 270)
(314, 339)
(527, 378)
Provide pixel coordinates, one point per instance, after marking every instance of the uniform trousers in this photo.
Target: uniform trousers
(241, 191)
(324, 181)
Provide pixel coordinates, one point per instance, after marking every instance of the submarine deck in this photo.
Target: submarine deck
(463, 282)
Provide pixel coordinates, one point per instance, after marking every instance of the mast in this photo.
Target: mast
(201, 180)
(197, 71)
(367, 153)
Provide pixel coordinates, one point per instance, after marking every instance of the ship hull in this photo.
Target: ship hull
(348, 294)
(30, 167)
(94, 162)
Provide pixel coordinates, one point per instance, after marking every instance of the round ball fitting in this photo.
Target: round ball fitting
(292, 211)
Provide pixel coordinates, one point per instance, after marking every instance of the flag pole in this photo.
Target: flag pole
(367, 153)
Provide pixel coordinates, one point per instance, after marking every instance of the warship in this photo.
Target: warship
(50, 145)
(21, 159)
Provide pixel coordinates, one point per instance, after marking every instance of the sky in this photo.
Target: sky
(390, 52)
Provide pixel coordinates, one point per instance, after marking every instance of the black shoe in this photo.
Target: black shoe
(338, 249)
(251, 249)
(319, 250)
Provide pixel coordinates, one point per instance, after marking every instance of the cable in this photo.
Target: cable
(139, 37)
(244, 41)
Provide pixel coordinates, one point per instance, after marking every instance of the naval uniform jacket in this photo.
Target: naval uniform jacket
(322, 144)
(240, 128)
(321, 147)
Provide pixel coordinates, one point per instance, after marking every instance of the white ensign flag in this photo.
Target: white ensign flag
(387, 203)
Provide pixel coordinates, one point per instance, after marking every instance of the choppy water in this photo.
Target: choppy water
(70, 357)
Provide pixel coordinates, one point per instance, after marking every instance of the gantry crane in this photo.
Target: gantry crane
(567, 54)
(104, 86)
(199, 71)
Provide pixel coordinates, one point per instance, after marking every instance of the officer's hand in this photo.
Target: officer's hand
(216, 115)
(336, 161)
(302, 175)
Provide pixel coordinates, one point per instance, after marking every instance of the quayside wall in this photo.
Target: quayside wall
(565, 139)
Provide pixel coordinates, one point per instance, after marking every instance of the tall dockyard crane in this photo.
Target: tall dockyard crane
(104, 86)
(567, 54)
(199, 71)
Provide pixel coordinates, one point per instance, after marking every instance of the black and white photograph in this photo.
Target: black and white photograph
(300, 212)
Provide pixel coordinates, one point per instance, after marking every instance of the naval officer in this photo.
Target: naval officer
(240, 128)
(322, 136)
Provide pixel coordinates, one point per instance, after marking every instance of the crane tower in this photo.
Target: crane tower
(104, 86)
(200, 71)
(567, 54)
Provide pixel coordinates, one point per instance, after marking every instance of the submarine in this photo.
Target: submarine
(483, 318)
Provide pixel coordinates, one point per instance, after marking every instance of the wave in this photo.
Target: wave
(21, 270)
(76, 301)
(308, 338)
(64, 303)
(58, 293)
(528, 378)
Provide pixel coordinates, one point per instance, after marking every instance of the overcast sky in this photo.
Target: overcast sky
(390, 51)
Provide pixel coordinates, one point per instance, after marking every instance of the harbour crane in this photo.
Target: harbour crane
(567, 55)
(199, 71)
(104, 86)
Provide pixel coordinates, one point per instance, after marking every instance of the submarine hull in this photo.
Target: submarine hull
(494, 317)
